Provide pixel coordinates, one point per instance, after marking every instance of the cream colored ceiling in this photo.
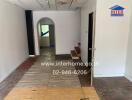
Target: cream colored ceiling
(49, 4)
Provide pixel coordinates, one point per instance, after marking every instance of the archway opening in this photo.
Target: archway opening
(46, 30)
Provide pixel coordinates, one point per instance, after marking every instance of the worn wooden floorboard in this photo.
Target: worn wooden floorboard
(44, 93)
(39, 83)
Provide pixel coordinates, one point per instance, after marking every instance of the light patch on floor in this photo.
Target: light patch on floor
(44, 93)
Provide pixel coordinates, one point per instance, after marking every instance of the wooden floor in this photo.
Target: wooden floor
(39, 82)
(44, 93)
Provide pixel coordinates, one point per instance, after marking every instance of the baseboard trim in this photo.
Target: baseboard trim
(109, 75)
(128, 77)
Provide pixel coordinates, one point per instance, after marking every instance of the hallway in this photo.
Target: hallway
(39, 75)
(39, 82)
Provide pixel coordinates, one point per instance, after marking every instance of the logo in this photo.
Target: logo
(117, 10)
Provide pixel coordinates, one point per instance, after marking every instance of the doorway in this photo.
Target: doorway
(46, 30)
(29, 25)
(91, 40)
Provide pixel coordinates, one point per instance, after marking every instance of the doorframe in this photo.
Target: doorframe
(93, 45)
(38, 37)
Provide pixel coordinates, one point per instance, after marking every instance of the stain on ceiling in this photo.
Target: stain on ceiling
(49, 4)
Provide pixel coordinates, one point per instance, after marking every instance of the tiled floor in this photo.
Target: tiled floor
(118, 88)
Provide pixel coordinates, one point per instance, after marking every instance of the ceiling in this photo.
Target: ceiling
(49, 4)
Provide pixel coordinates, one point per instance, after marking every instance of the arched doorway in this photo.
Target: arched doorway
(46, 30)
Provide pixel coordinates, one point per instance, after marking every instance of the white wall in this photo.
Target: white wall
(67, 29)
(89, 7)
(111, 39)
(13, 39)
(128, 72)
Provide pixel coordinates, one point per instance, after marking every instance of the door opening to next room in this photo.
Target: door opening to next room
(46, 29)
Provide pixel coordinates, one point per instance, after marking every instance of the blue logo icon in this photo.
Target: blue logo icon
(117, 10)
